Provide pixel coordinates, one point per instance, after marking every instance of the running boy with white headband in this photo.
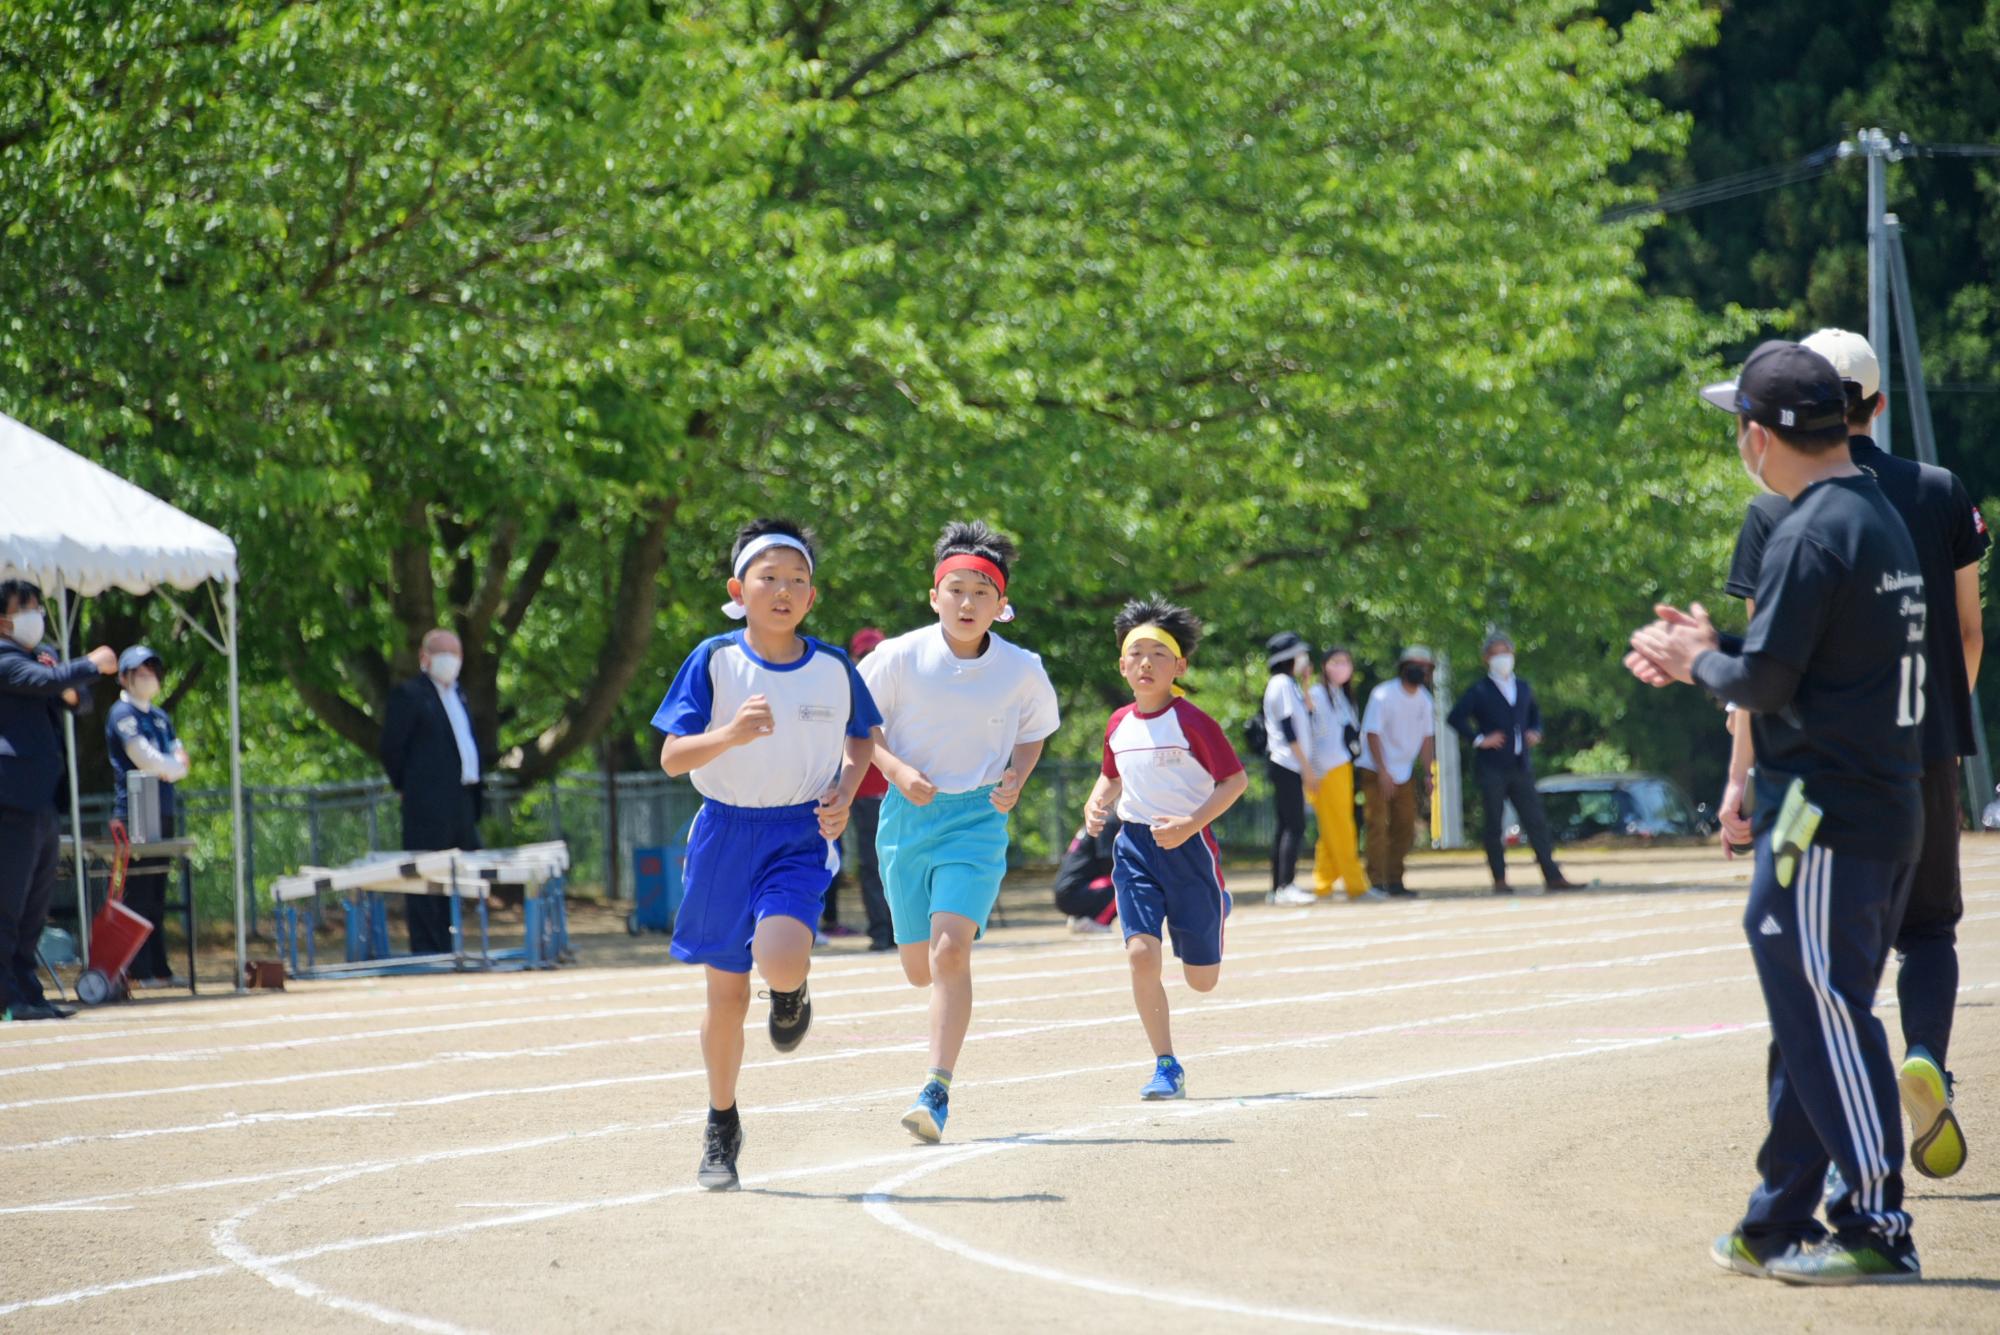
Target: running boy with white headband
(775, 728)
(965, 715)
(1170, 772)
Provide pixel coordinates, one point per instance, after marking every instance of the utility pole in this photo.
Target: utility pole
(1875, 148)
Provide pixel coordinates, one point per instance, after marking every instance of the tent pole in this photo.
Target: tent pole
(236, 786)
(75, 796)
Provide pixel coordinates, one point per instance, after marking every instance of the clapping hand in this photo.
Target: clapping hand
(1665, 650)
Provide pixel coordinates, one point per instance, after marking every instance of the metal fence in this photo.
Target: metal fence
(603, 821)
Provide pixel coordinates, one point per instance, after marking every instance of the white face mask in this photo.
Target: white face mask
(143, 687)
(1757, 474)
(444, 668)
(1502, 665)
(29, 627)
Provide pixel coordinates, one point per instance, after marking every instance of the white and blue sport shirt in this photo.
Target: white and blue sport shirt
(817, 702)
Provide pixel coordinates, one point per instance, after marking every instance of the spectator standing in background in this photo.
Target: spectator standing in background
(1501, 719)
(1288, 759)
(1398, 742)
(1336, 730)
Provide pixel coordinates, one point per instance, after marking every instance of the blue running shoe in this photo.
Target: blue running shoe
(925, 1119)
(1169, 1081)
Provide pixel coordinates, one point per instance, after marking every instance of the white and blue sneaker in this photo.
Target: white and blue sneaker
(1169, 1081)
(925, 1119)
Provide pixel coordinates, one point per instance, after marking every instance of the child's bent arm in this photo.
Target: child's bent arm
(1103, 799)
(678, 755)
(1224, 797)
(859, 754)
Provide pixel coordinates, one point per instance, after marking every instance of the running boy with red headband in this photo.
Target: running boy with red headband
(1170, 772)
(965, 715)
(775, 729)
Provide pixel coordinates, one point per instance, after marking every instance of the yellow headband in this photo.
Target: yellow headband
(1149, 631)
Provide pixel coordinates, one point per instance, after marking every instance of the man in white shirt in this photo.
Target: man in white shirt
(1288, 760)
(1398, 742)
(432, 759)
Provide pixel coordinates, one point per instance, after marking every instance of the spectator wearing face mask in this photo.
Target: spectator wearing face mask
(1398, 742)
(34, 689)
(1501, 719)
(432, 759)
(139, 736)
(1336, 731)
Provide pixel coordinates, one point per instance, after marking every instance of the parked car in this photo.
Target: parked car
(1618, 806)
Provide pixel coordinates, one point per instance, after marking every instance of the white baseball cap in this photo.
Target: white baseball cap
(1851, 356)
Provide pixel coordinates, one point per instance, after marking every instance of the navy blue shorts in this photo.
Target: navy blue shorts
(746, 864)
(1175, 889)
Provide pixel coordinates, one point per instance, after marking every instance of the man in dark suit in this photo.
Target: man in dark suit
(432, 759)
(1499, 715)
(34, 689)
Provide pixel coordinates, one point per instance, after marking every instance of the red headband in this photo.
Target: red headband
(978, 565)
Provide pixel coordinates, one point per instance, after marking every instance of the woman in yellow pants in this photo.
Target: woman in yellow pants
(1336, 727)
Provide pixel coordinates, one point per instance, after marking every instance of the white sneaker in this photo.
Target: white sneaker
(1088, 927)
(819, 938)
(1372, 895)
(1294, 894)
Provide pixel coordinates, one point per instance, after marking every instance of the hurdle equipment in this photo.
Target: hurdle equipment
(464, 875)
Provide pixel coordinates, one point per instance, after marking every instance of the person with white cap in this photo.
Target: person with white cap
(1398, 742)
(1830, 671)
(1950, 536)
(139, 737)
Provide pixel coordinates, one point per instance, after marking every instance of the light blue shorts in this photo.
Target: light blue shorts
(948, 857)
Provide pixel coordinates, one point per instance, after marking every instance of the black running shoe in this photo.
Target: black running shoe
(791, 1017)
(719, 1149)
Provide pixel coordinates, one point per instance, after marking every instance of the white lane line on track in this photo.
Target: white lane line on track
(873, 1096)
(920, 1007)
(388, 1108)
(1341, 922)
(1334, 940)
(347, 1172)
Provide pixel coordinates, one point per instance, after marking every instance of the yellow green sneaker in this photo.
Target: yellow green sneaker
(1937, 1144)
(1837, 1262)
(1732, 1251)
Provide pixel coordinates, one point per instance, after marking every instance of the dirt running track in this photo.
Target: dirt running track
(1457, 1114)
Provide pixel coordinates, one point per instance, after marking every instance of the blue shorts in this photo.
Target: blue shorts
(947, 857)
(746, 864)
(1179, 889)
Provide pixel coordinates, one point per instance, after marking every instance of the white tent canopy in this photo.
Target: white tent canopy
(67, 523)
(74, 528)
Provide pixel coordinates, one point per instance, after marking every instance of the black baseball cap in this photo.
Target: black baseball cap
(139, 656)
(1786, 386)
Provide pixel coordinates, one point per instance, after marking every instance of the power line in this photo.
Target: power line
(1759, 179)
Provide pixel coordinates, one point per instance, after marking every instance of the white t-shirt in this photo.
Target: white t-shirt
(1168, 763)
(1403, 720)
(817, 702)
(461, 732)
(1285, 699)
(956, 719)
(1332, 713)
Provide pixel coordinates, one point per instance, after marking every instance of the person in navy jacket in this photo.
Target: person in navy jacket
(1499, 716)
(431, 758)
(34, 689)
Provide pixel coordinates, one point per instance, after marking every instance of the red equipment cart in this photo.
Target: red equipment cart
(116, 932)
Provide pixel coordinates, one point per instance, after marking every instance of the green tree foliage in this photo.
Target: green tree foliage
(502, 316)
(1786, 78)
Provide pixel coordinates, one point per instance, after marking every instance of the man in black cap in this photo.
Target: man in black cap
(1829, 671)
(139, 738)
(34, 687)
(1950, 537)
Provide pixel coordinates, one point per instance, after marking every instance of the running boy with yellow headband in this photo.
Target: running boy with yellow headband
(1170, 771)
(965, 715)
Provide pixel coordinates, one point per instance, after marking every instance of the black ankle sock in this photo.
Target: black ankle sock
(723, 1116)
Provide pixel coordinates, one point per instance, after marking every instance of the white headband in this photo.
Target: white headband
(758, 545)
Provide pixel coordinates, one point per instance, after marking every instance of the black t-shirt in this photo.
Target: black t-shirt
(1840, 601)
(1949, 534)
